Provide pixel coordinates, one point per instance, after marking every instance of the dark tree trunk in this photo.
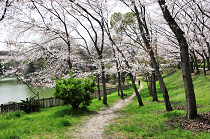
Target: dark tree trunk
(98, 85)
(208, 56)
(207, 59)
(204, 61)
(150, 84)
(189, 90)
(119, 85)
(204, 65)
(154, 92)
(179, 65)
(118, 89)
(191, 63)
(136, 90)
(208, 64)
(147, 80)
(123, 80)
(196, 62)
(145, 36)
(103, 84)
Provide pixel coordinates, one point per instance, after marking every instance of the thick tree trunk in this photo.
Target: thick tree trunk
(136, 90)
(189, 90)
(98, 85)
(154, 92)
(154, 63)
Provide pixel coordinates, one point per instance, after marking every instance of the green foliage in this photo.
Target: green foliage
(30, 105)
(35, 65)
(13, 114)
(75, 91)
(115, 18)
(65, 122)
(31, 67)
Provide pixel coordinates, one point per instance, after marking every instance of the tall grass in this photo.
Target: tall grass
(149, 121)
(54, 122)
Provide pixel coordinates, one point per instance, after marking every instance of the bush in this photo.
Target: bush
(75, 91)
(29, 105)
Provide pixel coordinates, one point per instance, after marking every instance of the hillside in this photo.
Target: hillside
(152, 120)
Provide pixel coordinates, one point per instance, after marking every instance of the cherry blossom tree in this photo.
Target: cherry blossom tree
(42, 30)
(189, 91)
(144, 30)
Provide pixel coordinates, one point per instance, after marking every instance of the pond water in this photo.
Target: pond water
(11, 90)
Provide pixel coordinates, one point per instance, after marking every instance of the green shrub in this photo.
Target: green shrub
(65, 122)
(75, 91)
(29, 105)
(13, 114)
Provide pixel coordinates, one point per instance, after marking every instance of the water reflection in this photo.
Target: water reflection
(11, 90)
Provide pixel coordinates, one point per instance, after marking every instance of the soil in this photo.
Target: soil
(200, 123)
(94, 127)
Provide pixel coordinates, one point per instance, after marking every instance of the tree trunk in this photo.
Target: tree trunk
(150, 85)
(118, 90)
(196, 62)
(119, 85)
(98, 85)
(191, 63)
(179, 67)
(207, 59)
(204, 61)
(104, 85)
(189, 90)
(208, 56)
(136, 90)
(208, 64)
(152, 57)
(204, 65)
(154, 92)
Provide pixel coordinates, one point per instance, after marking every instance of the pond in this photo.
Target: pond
(11, 90)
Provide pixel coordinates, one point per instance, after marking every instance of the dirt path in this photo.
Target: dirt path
(94, 128)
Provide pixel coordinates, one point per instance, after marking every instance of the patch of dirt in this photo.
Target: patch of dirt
(200, 123)
(183, 107)
(180, 107)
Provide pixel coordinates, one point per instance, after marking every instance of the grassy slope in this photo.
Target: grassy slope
(149, 121)
(54, 122)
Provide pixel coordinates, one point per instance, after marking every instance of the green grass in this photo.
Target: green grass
(149, 121)
(54, 122)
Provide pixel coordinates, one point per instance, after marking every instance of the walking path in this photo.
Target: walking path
(94, 128)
